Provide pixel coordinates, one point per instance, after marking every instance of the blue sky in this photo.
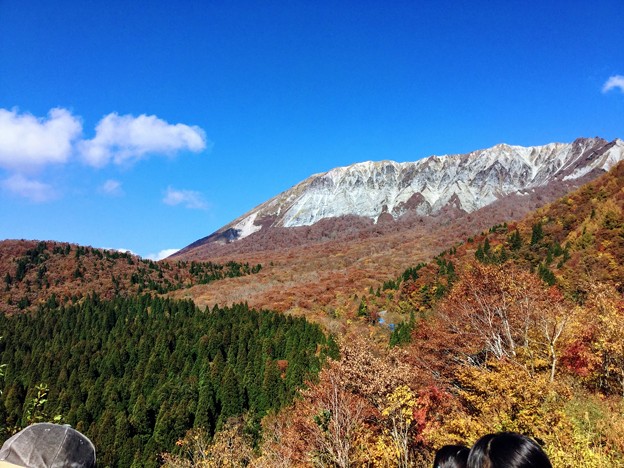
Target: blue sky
(148, 125)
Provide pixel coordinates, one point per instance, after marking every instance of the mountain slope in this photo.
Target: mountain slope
(575, 243)
(488, 344)
(455, 185)
(519, 327)
(34, 273)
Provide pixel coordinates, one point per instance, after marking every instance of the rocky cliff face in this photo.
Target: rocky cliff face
(463, 182)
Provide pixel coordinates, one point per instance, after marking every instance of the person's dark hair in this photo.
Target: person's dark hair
(507, 450)
(451, 456)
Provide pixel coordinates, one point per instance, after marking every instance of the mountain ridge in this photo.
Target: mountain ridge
(388, 190)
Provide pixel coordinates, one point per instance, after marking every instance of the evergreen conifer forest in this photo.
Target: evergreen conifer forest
(134, 374)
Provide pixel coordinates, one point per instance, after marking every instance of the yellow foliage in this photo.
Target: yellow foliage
(578, 430)
(399, 414)
(383, 454)
(229, 447)
(596, 438)
(400, 403)
(504, 397)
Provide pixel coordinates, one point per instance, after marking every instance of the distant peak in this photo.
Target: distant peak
(586, 140)
(427, 186)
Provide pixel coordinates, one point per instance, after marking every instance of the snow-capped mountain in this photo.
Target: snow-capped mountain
(466, 182)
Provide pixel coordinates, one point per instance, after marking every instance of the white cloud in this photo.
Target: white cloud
(28, 143)
(111, 187)
(125, 138)
(30, 189)
(615, 81)
(162, 254)
(188, 198)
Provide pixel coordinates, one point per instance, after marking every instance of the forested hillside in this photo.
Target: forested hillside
(135, 373)
(574, 244)
(518, 328)
(36, 272)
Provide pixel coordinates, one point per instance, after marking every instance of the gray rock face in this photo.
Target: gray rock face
(466, 182)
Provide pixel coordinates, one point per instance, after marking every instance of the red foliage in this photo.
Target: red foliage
(577, 358)
(433, 402)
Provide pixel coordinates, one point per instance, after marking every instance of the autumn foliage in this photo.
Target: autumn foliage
(519, 327)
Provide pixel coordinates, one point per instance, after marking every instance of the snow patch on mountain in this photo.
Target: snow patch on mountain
(246, 227)
(606, 160)
(465, 181)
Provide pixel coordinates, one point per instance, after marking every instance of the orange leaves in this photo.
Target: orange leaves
(597, 352)
(504, 312)
(327, 427)
(433, 406)
(369, 374)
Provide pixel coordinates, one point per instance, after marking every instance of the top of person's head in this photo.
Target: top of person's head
(451, 456)
(507, 450)
(46, 445)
